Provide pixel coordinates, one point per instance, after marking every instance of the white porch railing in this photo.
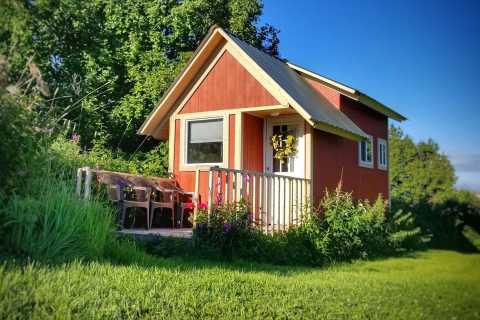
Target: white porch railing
(276, 202)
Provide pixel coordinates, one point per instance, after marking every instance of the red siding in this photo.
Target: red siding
(252, 143)
(331, 95)
(228, 86)
(336, 158)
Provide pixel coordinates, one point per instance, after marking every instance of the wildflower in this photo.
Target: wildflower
(189, 205)
(202, 206)
(227, 227)
(75, 137)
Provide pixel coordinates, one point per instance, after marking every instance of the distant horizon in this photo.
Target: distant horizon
(419, 58)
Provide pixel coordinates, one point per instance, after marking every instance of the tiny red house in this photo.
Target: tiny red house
(231, 99)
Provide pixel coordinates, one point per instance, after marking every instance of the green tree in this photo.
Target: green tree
(422, 181)
(117, 57)
(418, 172)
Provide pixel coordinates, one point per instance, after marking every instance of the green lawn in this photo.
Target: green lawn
(430, 285)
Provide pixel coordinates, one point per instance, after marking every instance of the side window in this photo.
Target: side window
(382, 154)
(365, 153)
(204, 141)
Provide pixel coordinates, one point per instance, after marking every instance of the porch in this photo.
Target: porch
(275, 202)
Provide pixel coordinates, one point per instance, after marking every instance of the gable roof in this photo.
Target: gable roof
(278, 77)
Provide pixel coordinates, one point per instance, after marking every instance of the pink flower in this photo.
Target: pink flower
(202, 205)
(189, 205)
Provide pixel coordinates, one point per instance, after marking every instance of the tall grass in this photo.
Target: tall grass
(49, 222)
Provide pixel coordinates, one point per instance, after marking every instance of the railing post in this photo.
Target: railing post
(253, 197)
(79, 181)
(227, 191)
(235, 186)
(88, 183)
(196, 196)
(210, 194)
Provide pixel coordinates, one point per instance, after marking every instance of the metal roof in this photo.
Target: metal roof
(288, 82)
(319, 110)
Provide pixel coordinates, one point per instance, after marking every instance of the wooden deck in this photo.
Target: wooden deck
(159, 232)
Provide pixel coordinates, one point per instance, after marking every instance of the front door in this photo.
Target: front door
(282, 197)
(294, 166)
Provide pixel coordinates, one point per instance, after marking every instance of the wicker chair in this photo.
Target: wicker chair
(141, 200)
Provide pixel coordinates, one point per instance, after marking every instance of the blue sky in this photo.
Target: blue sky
(421, 58)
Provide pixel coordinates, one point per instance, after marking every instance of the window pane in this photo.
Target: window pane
(205, 131)
(382, 147)
(205, 141)
(208, 152)
(363, 151)
(369, 151)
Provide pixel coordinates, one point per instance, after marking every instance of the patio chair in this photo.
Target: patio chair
(185, 203)
(115, 196)
(141, 200)
(166, 201)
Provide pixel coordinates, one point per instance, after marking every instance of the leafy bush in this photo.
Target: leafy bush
(69, 156)
(18, 142)
(340, 229)
(225, 229)
(49, 222)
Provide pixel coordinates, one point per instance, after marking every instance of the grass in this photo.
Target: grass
(50, 222)
(428, 285)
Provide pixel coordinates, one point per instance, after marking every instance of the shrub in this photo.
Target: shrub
(68, 155)
(339, 229)
(49, 222)
(18, 141)
(226, 228)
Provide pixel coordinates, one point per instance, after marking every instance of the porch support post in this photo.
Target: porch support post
(210, 194)
(196, 196)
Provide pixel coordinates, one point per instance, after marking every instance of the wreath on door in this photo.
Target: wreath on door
(284, 146)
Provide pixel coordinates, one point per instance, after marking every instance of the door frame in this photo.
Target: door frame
(269, 122)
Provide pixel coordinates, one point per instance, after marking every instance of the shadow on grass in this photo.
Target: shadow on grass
(180, 255)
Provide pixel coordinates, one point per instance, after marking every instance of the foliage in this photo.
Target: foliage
(422, 182)
(117, 58)
(430, 285)
(68, 156)
(18, 141)
(226, 227)
(339, 230)
(284, 146)
(342, 229)
(47, 221)
(418, 172)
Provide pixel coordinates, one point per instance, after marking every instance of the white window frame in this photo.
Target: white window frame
(361, 163)
(184, 165)
(382, 142)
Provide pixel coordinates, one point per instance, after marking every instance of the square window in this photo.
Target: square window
(204, 141)
(365, 152)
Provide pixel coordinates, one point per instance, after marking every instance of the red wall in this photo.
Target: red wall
(228, 85)
(336, 158)
(252, 143)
